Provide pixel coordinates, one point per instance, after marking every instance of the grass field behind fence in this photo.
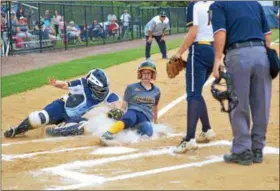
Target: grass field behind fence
(36, 78)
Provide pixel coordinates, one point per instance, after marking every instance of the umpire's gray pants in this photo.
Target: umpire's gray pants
(252, 84)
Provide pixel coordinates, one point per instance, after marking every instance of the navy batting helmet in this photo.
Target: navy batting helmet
(147, 65)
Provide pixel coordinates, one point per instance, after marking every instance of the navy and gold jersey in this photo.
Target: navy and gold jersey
(140, 99)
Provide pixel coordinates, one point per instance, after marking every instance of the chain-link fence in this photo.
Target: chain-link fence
(50, 26)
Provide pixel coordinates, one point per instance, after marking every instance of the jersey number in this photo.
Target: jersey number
(209, 17)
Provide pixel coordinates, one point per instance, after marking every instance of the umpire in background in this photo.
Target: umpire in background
(156, 28)
(241, 32)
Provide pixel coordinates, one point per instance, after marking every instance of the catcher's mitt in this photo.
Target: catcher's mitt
(174, 66)
(115, 114)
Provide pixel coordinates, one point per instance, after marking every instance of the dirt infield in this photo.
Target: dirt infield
(32, 162)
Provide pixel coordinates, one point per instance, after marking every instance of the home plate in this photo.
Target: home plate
(112, 150)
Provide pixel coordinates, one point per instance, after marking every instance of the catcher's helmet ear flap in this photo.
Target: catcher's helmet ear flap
(228, 94)
(98, 83)
(147, 65)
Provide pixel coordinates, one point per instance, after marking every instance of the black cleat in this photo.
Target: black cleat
(244, 158)
(258, 156)
(10, 133)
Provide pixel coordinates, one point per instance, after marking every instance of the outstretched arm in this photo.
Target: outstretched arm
(58, 83)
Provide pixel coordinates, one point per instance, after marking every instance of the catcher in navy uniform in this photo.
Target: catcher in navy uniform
(84, 94)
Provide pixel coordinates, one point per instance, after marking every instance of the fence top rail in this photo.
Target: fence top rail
(77, 4)
(88, 5)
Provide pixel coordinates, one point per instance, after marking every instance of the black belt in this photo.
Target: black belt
(249, 43)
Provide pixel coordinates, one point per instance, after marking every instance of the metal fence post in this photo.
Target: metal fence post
(86, 31)
(103, 25)
(131, 22)
(64, 28)
(71, 6)
(10, 30)
(121, 24)
(141, 23)
(170, 21)
(177, 21)
(40, 27)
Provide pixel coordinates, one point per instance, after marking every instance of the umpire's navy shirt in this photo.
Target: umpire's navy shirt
(242, 20)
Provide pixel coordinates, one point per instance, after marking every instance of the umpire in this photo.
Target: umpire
(241, 32)
(156, 28)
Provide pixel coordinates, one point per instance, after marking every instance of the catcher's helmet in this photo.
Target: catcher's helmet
(98, 83)
(228, 94)
(147, 65)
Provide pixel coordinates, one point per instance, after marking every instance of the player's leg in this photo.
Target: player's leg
(51, 114)
(207, 133)
(148, 49)
(260, 100)
(195, 76)
(162, 46)
(145, 128)
(144, 125)
(71, 127)
(129, 119)
(239, 64)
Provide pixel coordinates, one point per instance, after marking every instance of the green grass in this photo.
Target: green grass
(36, 78)
(275, 34)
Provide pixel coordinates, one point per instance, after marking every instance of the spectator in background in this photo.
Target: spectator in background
(125, 19)
(95, 30)
(113, 28)
(73, 31)
(111, 18)
(3, 32)
(22, 29)
(61, 27)
(20, 13)
(45, 32)
(14, 23)
(47, 16)
(57, 19)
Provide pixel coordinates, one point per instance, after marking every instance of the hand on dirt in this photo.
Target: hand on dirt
(52, 81)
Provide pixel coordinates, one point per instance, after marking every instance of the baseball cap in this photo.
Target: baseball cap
(162, 14)
(21, 17)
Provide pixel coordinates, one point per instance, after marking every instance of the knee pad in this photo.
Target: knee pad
(38, 118)
(146, 128)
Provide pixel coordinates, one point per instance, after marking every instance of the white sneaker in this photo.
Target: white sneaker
(206, 137)
(186, 146)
